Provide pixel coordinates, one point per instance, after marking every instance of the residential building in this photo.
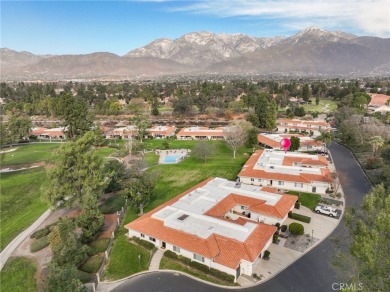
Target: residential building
(288, 171)
(273, 141)
(222, 224)
(200, 133)
(46, 133)
(161, 132)
(120, 132)
(301, 126)
(379, 103)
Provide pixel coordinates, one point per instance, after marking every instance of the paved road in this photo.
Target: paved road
(312, 272)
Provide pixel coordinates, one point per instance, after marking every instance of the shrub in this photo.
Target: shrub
(297, 205)
(92, 265)
(40, 233)
(98, 246)
(289, 214)
(296, 228)
(300, 217)
(170, 254)
(221, 275)
(39, 244)
(283, 228)
(275, 238)
(266, 254)
(277, 225)
(112, 205)
(201, 267)
(83, 276)
(146, 244)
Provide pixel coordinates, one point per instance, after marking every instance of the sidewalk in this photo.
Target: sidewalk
(287, 251)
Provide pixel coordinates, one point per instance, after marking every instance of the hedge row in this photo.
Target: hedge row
(200, 267)
(42, 232)
(39, 244)
(146, 244)
(299, 217)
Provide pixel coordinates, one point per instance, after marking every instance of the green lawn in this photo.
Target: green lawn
(106, 151)
(29, 153)
(332, 105)
(170, 264)
(18, 275)
(21, 201)
(308, 200)
(174, 179)
(151, 159)
(124, 261)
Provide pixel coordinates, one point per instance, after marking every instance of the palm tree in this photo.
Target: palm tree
(376, 143)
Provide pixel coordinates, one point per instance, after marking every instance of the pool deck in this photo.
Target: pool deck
(173, 152)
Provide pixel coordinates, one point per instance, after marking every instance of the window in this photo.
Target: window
(142, 235)
(299, 185)
(198, 258)
(260, 180)
(252, 179)
(152, 239)
(280, 183)
(176, 249)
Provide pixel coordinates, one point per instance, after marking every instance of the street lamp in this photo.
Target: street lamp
(139, 261)
(312, 235)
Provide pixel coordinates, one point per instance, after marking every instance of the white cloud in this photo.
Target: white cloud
(365, 16)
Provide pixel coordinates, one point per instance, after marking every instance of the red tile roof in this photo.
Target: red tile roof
(378, 99)
(265, 140)
(303, 122)
(249, 171)
(204, 132)
(166, 130)
(225, 251)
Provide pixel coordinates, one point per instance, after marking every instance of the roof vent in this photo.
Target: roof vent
(182, 217)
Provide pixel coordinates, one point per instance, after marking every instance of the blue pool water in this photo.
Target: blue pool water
(171, 158)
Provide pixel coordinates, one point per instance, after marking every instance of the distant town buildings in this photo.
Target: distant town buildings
(379, 103)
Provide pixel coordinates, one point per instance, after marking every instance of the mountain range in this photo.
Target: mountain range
(310, 52)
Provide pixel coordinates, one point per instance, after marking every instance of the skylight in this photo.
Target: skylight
(182, 217)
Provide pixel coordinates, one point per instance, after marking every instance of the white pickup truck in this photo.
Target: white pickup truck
(326, 211)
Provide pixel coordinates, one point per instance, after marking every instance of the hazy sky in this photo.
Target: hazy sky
(78, 27)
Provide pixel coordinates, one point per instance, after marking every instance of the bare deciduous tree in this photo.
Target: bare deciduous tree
(203, 150)
(235, 136)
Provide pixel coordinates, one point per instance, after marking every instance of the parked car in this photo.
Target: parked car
(331, 212)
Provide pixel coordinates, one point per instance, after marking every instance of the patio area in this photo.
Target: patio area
(172, 156)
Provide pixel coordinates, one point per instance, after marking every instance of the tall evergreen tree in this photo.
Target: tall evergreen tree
(368, 263)
(74, 111)
(65, 244)
(261, 108)
(63, 279)
(271, 115)
(91, 220)
(78, 170)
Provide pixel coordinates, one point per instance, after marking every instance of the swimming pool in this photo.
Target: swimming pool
(172, 158)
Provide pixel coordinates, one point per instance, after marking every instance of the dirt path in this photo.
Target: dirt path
(42, 257)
